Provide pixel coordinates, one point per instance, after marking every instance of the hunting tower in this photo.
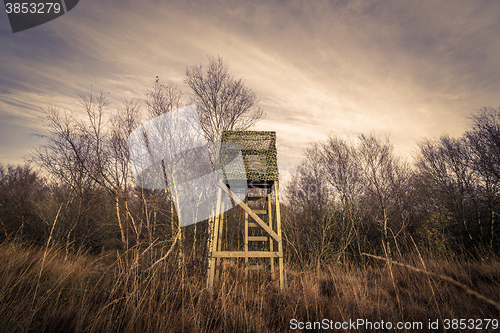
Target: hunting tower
(262, 223)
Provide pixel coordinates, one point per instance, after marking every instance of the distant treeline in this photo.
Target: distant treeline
(346, 197)
(349, 197)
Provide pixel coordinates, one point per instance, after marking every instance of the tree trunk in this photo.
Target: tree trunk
(120, 224)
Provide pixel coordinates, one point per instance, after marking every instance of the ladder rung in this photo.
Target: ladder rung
(249, 254)
(259, 211)
(258, 238)
(256, 267)
(253, 225)
(257, 198)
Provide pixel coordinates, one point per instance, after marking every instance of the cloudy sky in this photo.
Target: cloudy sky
(410, 69)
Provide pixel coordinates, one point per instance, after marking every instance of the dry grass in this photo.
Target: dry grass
(110, 294)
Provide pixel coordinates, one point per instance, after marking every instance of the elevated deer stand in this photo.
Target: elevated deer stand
(261, 173)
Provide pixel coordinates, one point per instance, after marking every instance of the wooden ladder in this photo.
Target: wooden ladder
(267, 239)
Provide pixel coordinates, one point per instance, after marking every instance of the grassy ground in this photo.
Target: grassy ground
(42, 290)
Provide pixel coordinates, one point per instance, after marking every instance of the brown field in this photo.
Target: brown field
(42, 290)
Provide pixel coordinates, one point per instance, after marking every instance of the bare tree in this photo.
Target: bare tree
(376, 162)
(342, 172)
(446, 166)
(223, 102)
(484, 139)
(123, 122)
(386, 180)
(163, 98)
(310, 224)
(22, 191)
(86, 150)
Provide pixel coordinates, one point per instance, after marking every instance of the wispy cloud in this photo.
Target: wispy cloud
(408, 69)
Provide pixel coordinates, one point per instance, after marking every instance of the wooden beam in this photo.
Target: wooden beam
(251, 213)
(213, 250)
(246, 240)
(250, 254)
(256, 267)
(270, 219)
(256, 198)
(258, 239)
(219, 245)
(280, 245)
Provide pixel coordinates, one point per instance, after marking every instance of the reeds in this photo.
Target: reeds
(40, 291)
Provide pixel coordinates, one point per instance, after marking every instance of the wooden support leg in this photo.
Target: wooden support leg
(270, 217)
(246, 241)
(215, 232)
(219, 245)
(280, 244)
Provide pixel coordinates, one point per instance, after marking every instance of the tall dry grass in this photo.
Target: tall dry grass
(42, 291)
